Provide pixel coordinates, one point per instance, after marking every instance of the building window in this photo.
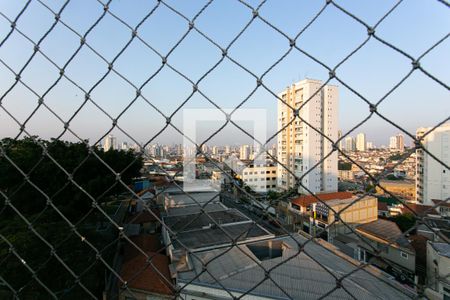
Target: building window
(404, 255)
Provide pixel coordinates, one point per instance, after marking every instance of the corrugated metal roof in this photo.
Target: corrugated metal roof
(301, 277)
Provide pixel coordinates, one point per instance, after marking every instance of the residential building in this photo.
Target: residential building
(438, 268)
(433, 178)
(369, 146)
(361, 142)
(397, 255)
(303, 148)
(397, 142)
(110, 142)
(244, 152)
(260, 177)
(317, 217)
(349, 144)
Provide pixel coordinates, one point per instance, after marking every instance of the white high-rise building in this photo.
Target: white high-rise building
(361, 142)
(215, 150)
(227, 150)
(300, 147)
(349, 144)
(110, 143)
(124, 146)
(432, 178)
(369, 145)
(244, 153)
(397, 142)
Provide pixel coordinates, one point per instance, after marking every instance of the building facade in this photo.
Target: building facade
(361, 142)
(432, 178)
(302, 147)
(260, 177)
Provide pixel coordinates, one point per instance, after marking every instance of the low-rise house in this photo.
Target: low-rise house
(317, 217)
(438, 271)
(436, 229)
(398, 256)
(443, 207)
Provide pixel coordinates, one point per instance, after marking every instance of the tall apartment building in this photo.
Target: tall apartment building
(300, 147)
(397, 142)
(110, 143)
(432, 178)
(361, 142)
(349, 144)
(244, 152)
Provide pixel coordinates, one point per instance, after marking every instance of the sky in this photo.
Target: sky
(372, 71)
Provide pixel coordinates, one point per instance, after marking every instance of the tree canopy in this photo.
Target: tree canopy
(38, 178)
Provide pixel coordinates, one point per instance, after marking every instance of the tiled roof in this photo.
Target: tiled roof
(143, 275)
(419, 209)
(309, 199)
(140, 274)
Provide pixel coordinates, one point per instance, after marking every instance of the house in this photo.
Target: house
(317, 217)
(436, 229)
(438, 269)
(443, 207)
(398, 257)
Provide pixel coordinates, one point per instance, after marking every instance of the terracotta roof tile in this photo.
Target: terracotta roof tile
(309, 199)
(142, 275)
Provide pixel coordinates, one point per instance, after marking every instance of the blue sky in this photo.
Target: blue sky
(413, 27)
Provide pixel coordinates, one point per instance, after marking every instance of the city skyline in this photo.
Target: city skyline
(404, 105)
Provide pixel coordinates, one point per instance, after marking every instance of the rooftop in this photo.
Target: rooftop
(298, 275)
(442, 248)
(153, 276)
(201, 220)
(215, 236)
(387, 231)
(193, 209)
(310, 199)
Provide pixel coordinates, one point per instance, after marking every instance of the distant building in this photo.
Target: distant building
(260, 177)
(397, 142)
(432, 178)
(349, 144)
(301, 147)
(110, 143)
(215, 150)
(361, 142)
(369, 146)
(244, 152)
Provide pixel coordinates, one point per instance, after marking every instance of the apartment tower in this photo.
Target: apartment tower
(432, 178)
(300, 146)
